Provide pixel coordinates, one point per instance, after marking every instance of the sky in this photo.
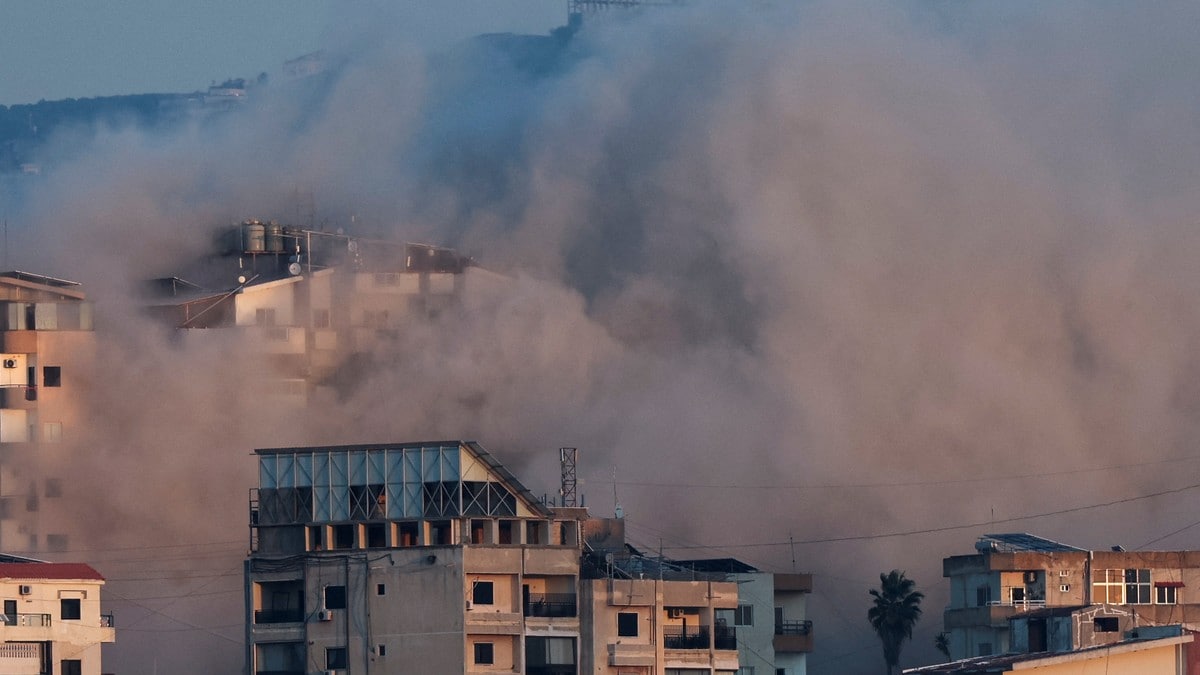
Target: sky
(59, 49)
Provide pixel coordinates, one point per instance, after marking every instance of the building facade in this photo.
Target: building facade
(1016, 574)
(46, 344)
(433, 558)
(52, 622)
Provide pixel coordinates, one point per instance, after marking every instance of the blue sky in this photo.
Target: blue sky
(53, 49)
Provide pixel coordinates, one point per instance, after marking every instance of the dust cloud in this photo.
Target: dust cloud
(803, 277)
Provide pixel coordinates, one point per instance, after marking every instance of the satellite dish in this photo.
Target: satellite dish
(352, 246)
(241, 278)
(294, 269)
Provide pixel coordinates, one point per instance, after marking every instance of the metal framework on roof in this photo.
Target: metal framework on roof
(1022, 541)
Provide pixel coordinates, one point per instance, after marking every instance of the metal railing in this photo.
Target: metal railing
(793, 627)
(1021, 604)
(551, 605)
(679, 637)
(278, 615)
(106, 621)
(35, 620)
(725, 637)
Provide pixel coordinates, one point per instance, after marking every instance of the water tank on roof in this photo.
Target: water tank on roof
(273, 239)
(253, 237)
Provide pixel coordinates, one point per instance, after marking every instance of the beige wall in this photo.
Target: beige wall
(1156, 661)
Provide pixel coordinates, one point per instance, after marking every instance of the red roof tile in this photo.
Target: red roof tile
(40, 570)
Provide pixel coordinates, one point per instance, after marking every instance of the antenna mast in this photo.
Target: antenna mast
(567, 458)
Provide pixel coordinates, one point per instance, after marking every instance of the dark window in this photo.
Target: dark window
(53, 487)
(335, 597)
(484, 653)
(264, 316)
(985, 649)
(71, 667)
(381, 650)
(343, 536)
(983, 595)
(70, 609)
(743, 615)
(10, 611)
(1106, 624)
(481, 594)
(627, 624)
(52, 376)
(320, 318)
(380, 589)
(335, 658)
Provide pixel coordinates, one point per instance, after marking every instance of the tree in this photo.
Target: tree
(896, 608)
(941, 642)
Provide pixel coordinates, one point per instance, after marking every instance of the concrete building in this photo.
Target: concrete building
(46, 343)
(374, 558)
(314, 304)
(774, 634)
(1161, 656)
(52, 622)
(1015, 575)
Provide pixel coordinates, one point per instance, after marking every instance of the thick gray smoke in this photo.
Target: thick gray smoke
(793, 273)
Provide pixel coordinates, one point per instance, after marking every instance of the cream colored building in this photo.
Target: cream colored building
(52, 622)
(46, 345)
(1162, 656)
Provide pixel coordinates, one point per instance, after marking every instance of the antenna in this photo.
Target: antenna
(793, 544)
(617, 510)
(567, 458)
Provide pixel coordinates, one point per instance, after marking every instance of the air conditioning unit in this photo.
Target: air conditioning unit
(10, 363)
(1031, 577)
(675, 613)
(25, 590)
(1064, 573)
(325, 615)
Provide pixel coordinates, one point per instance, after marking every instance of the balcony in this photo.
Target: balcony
(793, 637)
(106, 621)
(29, 620)
(294, 615)
(683, 637)
(551, 605)
(725, 637)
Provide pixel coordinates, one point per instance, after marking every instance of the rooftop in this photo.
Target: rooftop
(35, 571)
(1003, 663)
(1015, 542)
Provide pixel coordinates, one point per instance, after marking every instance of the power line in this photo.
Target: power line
(950, 528)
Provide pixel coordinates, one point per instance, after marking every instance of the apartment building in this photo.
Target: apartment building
(52, 622)
(433, 557)
(46, 343)
(314, 304)
(774, 633)
(1168, 655)
(1021, 575)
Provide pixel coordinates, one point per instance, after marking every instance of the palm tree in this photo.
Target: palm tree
(897, 606)
(941, 642)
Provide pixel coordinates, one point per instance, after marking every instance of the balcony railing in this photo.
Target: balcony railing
(35, 620)
(793, 627)
(725, 637)
(679, 637)
(551, 605)
(1019, 604)
(106, 621)
(278, 615)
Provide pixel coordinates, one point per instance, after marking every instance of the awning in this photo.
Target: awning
(1168, 584)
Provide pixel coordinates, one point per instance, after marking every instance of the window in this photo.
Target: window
(983, 595)
(627, 624)
(1106, 624)
(1018, 595)
(320, 318)
(745, 670)
(380, 589)
(743, 615)
(1065, 588)
(1137, 587)
(1165, 595)
(52, 432)
(52, 376)
(71, 667)
(53, 487)
(482, 594)
(381, 650)
(264, 317)
(1108, 587)
(985, 649)
(69, 609)
(335, 597)
(335, 658)
(484, 653)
